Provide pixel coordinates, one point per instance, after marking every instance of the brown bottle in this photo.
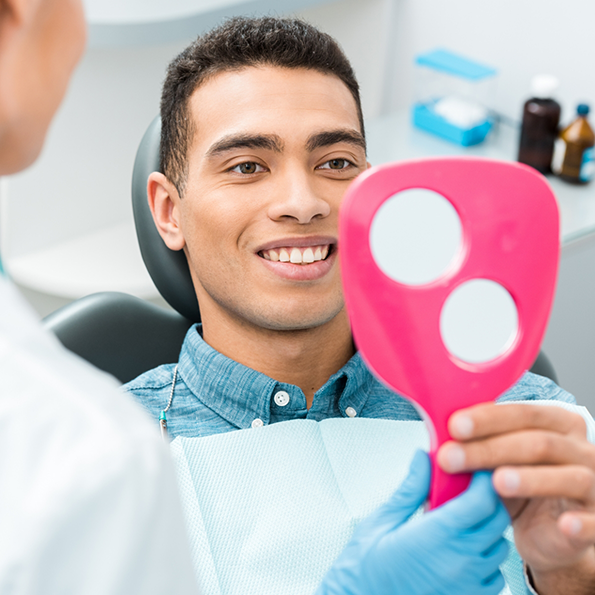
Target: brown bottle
(573, 158)
(539, 130)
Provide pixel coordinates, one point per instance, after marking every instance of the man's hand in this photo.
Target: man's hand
(545, 471)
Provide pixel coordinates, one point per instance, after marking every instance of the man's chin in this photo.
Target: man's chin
(296, 319)
(283, 314)
(295, 323)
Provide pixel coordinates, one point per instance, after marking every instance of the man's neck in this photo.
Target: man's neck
(305, 358)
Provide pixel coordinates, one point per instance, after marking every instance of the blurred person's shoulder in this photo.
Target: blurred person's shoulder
(84, 474)
(57, 405)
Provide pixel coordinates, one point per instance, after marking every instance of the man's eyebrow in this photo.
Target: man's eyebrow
(333, 137)
(245, 141)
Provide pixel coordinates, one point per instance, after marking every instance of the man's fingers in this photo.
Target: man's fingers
(490, 419)
(578, 527)
(530, 447)
(576, 482)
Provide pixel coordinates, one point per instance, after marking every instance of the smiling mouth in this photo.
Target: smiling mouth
(295, 255)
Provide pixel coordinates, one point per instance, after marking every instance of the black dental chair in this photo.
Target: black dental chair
(127, 336)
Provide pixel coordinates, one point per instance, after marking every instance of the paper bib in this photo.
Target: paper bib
(268, 510)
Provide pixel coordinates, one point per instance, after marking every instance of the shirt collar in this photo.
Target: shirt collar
(241, 395)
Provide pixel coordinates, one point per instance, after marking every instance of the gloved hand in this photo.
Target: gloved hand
(453, 549)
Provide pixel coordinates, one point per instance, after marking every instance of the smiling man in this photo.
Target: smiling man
(262, 132)
(262, 236)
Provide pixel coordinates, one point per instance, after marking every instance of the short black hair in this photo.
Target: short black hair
(236, 44)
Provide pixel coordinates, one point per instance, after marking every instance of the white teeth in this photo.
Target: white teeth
(283, 255)
(296, 256)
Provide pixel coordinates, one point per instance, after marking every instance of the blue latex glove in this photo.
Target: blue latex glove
(454, 549)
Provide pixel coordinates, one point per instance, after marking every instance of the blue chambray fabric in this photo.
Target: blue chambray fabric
(215, 394)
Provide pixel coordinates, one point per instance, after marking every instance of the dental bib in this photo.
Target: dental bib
(269, 509)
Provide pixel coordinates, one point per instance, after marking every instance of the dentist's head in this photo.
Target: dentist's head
(40, 43)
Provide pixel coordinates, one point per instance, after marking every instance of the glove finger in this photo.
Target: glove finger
(402, 504)
(485, 575)
(492, 585)
(475, 506)
(474, 569)
(483, 571)
(497, 553)
(484, 535)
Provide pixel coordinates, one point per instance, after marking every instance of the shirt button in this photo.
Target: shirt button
(257, 423)
(281, 398)
(350, 412)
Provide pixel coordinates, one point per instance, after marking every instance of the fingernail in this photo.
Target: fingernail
(455, 458)
(512, 480)
(463, 426)
(573, 525)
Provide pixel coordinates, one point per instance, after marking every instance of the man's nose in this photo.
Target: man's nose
(297, 199)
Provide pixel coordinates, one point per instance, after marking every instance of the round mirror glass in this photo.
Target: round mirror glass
(415, 236)
(479, 321)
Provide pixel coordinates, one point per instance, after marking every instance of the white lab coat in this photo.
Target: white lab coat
(88, 499)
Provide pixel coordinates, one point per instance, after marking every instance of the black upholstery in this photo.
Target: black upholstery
(119, 333)
(168, 269)
(543, 367)
(126, 336)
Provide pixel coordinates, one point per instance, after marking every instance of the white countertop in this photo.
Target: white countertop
(394, 138)
(106, 260)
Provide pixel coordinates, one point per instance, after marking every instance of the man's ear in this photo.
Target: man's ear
(164, 202)
(368, 165)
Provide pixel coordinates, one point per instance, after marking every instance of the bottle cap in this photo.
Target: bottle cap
(582, 109)
(544, 85)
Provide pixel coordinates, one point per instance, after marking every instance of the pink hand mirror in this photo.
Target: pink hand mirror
(449, 269)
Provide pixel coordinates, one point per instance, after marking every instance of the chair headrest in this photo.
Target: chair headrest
(168, 268)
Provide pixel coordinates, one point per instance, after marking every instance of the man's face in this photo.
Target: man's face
(273, 153)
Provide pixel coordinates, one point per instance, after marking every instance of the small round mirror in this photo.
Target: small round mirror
(415, 236)
(479, 321)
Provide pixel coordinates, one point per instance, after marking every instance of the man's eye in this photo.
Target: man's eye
(336, 164)
(249, 167)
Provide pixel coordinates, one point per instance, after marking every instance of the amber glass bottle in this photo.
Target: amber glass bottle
(573, 158)
(539, 130)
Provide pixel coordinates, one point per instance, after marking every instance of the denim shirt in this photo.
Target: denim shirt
(215, 394)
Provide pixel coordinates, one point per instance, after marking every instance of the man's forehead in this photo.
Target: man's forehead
(267, 100)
